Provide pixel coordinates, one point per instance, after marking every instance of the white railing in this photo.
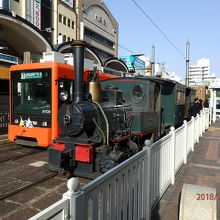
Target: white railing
(161, 167)
(131, 189)
(190, 132)
(60, 210)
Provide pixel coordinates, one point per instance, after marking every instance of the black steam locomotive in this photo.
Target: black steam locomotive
(109, 122)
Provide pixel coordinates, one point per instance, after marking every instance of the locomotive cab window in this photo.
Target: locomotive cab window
(31, 92)
(137, 94)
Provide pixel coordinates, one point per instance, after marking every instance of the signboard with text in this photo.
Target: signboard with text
(37, 13)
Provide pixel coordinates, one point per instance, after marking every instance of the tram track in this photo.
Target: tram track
(27, 186)
(12, 152)
(18, 172)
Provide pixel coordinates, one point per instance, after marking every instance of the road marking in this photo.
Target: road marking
(38, 164)
(205, 166)
(217, 138)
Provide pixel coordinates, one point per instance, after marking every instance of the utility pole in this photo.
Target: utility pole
(153, 60)
(187, 62)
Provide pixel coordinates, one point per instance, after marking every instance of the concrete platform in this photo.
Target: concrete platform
(203, 168)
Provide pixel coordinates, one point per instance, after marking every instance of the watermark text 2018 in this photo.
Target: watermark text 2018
(208, 196)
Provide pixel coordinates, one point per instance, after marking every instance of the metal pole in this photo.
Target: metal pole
(187, 62)
(153, 60)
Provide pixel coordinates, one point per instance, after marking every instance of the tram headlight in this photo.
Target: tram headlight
(44, 124)
(64, 95)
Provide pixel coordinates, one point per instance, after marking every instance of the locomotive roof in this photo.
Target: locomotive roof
(151, 78)
(155, 79)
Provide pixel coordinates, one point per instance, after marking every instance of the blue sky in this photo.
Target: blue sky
(180, 20)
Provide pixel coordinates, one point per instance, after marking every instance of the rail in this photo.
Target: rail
(133, 188)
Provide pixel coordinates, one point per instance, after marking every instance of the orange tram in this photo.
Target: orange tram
(36, 92)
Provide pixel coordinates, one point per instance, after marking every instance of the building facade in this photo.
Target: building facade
(61, 21)
(134, 64)
(200, 73)
(37, 12)
(99, 26)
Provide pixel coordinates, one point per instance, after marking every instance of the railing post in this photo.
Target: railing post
(148, 179)
(200, 124)
(185, 140)
(173, 154)
(73, 185)
(204, 120)
(193, 132)
(197, 129)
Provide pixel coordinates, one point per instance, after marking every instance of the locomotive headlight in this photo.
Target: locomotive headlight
(64, 95)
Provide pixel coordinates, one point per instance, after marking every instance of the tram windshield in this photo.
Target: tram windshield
(31, 92)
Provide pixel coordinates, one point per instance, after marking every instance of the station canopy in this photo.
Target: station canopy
(18, 36)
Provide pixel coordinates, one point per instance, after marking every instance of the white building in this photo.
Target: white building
(200, 74)
(173, 76)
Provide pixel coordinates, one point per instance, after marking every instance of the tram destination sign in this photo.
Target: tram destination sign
(31, 75)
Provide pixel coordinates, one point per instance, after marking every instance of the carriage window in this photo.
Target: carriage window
(180, 97)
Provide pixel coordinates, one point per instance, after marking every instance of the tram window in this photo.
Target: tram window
(32, 96)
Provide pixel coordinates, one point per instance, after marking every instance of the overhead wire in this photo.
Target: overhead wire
(157, 27)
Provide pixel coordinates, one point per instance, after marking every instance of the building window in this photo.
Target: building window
(60, 18)
(16, 0)
(68, 22)
(64, 38)
(64, 20)
(68, 39)
(72, 24)
(101, 53)
(98, 37)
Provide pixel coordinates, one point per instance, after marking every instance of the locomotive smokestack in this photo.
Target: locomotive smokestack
(78, 49)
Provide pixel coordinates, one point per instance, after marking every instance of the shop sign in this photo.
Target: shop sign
(37, 13)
